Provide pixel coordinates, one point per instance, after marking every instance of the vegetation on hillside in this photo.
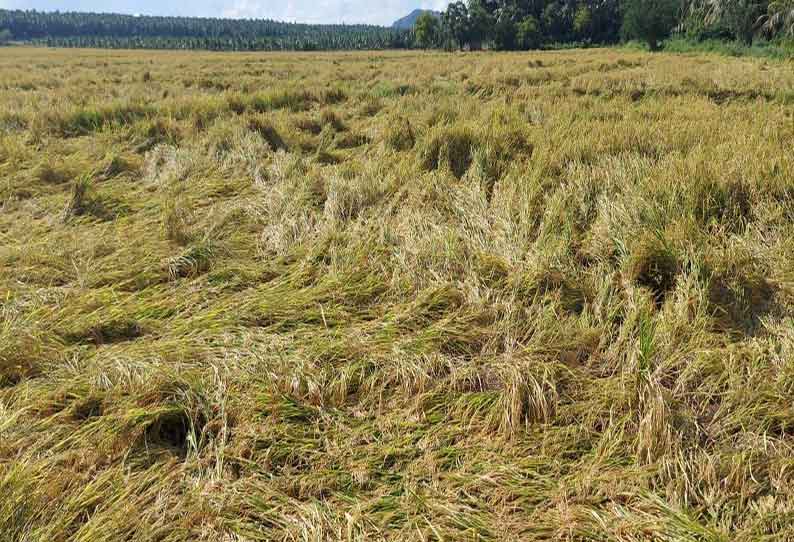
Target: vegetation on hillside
(474, 24)
(66, 29)
(396, 296)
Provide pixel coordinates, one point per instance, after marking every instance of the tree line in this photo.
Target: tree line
(530, 24)
(110, 30)
(473, 24)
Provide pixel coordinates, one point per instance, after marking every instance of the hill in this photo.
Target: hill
(408, 22)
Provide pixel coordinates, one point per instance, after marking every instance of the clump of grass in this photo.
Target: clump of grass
(12, 122)
(88, 408)
(196, 259)
(333, 96)
(323, 153)
(159, 131)
(306, 124)
(329, 118)
(176, 217)
(739, 292)
(370, 107)
(266, 131)
(109, 332)
(93, 119)
(400, 134)
(550, 283)
(286, 99)
(237, 103)
(653, 265)
(52, 173)
(163, 130)
(349, 140)
(726, 204)
(740, 302)
(171, 427)
(348, 196)
(448, 147)
(22, 349)
(492, 270)
(83, 200)
(222, 138)
(15, 370)
(497, 151)
(441, 114)
(119, 164)
(392, 90)
(161, 428)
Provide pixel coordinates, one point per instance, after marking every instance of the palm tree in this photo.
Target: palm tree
(741, 17)
(779, 18)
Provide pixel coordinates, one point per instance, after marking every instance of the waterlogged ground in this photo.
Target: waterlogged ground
(396, 296)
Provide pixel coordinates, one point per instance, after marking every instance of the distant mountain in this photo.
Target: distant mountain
(409, 20)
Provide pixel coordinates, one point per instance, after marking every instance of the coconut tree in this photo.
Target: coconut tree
(779, 18)
(650, 20)
(741, 17)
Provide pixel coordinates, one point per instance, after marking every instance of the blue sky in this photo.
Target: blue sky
(305, 11)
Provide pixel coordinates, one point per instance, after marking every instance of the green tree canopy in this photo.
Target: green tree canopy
(779, 18)
(426, 30)
(650, 20)
(529, 34)
(472, 24)
(456, 22)
(70, 29)
(741, 17)
(582, 21)
(505, 28)
(481, 23)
